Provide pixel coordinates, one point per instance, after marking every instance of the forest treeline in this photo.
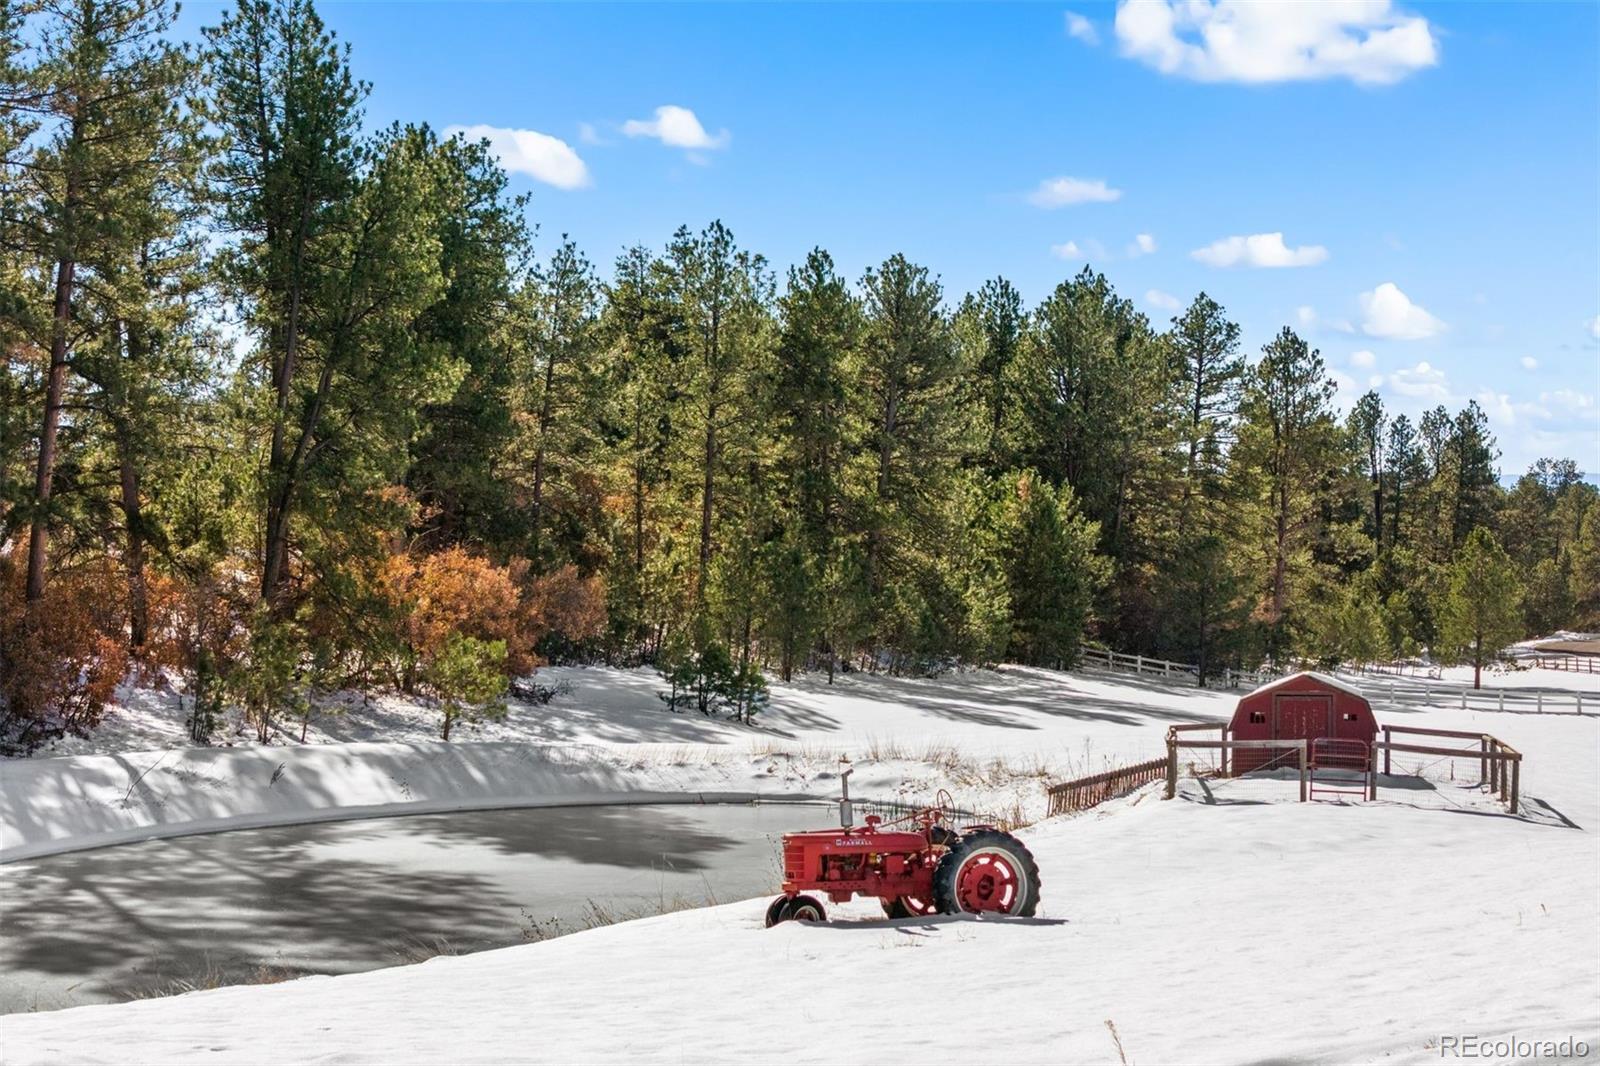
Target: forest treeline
(288, 404)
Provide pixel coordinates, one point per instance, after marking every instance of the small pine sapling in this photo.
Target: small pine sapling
(468, 677)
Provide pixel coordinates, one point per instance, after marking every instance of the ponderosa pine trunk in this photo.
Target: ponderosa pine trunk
(55, 389)
(132, 512)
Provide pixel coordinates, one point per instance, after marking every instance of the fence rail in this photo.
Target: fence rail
(1499, 764)
(1509, 700)
(1578, 664)
(1091, 791)
(1106, 659)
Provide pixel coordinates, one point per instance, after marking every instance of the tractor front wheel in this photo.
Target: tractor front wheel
(802, 909)
(775, 910)
(987, 872)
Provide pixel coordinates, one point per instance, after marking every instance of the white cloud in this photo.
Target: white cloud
(1164, 300)
(1390, 313)
(1259, 250)
(1571, 402)
(1306, 316)
(1363, 359)
(539, 155)
(1090, 249)
(1059, 192)
(1594, 327)
(676, 127)
(1529, 362)
(1369, 42)
(1143, 244)
(1081, 28)
(1422, 381)
(589, 134)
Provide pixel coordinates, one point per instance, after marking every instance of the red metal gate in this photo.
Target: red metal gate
(1344, 764)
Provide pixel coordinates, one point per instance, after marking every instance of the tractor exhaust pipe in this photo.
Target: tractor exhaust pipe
(847, 815)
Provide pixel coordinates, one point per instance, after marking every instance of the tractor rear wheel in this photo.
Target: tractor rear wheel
(987, 872)
(802, 909)
(908, 907)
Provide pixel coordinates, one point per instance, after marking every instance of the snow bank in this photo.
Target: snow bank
(49, 806)
(989, 737)
(1228, 930)
(989, 712)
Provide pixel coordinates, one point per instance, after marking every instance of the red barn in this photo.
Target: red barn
(1299, 707)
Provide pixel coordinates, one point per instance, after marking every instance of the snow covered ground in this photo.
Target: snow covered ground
(1244, 928)
(1230, 925)
(989, 737)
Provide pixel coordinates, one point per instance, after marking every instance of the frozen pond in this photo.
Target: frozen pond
(270, 904)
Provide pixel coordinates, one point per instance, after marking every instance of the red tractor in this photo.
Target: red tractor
(916, 865)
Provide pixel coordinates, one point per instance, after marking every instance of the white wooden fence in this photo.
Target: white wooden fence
(1514, 700)
(1379, 689)
(1145, 664)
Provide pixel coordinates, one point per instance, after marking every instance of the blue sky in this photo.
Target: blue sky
(1433, 170)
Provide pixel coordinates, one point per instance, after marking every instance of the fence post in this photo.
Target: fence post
(1483, 760)
(1372, 775)
(1579, 696)
(1539, 696)
(1388, 738)
(1463, 699)
(1138, 664)
(1502, 699)
(1302, 771)
(1427, 694)
(1172, 765)
(1516, 781)
(1391, 692)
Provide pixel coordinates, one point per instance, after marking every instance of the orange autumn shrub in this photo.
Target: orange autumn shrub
(60, 658)
(429, 597)
(432, 596)
(563, 604)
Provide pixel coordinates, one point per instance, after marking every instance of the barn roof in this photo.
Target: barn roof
(1331, 682)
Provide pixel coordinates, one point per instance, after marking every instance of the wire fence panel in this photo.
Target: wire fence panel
(1087, 792)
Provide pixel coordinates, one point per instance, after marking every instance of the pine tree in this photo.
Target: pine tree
(1585, 570)
(1288, 449)
(1404, 475)
(283, 94)
(818, 430)
(1481, 611)
(642, 335)
(1366, 427)
(103, 88)
(908, 388)
(723, 294)
(1047, 552)
(1474, 493)
(555, 402)
(457, 471)
(996, 328)
(1209, 379)
(1102, 384)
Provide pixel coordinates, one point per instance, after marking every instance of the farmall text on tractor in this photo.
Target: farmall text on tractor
(915, 865)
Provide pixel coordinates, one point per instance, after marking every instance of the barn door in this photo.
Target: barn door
(1302, 717)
